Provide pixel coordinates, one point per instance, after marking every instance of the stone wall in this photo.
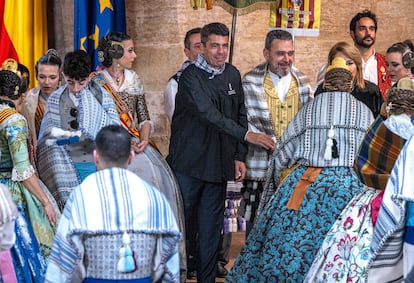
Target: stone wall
(158, 28)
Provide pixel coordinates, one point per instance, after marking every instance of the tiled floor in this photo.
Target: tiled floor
(236, 245)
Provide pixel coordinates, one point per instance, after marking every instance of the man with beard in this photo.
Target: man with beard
(363, 30)
(274, 92)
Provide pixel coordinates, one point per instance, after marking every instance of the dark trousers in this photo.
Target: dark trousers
(224, 249)
(203, 210)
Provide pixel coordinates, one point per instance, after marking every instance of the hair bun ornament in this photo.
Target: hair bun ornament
(338, 77)
(11, 65)
(337, 63)
(101, 57)
(52, 52)
(406, 83)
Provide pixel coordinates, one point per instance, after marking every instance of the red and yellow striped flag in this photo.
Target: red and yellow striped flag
(23, 32)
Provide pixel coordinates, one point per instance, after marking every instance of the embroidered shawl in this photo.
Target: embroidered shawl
(56, 168)
(110, 202)
(258, 115)
(304, 140)
(386, 264)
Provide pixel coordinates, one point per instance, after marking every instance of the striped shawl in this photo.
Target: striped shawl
(304, 139)
(377, 154)
(54, 164)
(386, 264)
(258, 115)
(110, 202)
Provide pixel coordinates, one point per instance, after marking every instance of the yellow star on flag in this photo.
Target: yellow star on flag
(95, 37)
(105, 4)
(82, 42)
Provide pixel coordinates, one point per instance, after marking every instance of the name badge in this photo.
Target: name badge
(231, 91)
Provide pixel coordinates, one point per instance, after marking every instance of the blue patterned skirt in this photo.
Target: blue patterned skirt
(29, 263)
(284, 242)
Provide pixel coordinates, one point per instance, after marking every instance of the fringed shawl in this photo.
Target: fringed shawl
(258, 115)
(56, 168)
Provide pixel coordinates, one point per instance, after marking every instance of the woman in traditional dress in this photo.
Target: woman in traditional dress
(345, 252)
(392, 245)
(36, 215)
(48, 77)
(322, 140)
(116, 53)
(399, 61)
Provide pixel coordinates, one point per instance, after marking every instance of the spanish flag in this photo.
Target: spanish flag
(93, 20)
(23, 32)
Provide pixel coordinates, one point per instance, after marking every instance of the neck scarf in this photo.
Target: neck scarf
(202, 64)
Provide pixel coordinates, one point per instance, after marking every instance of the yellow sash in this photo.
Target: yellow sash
(125, 116)
(6, 113)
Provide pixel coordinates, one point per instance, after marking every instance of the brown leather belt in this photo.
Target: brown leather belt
(308, 177)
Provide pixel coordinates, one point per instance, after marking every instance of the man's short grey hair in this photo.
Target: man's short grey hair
(277, 34)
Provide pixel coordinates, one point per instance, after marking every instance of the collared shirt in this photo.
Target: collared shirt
(369, 69)
(281, 83)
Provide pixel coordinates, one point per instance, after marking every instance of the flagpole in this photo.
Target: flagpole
(233, 31)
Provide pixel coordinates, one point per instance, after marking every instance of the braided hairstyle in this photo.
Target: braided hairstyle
(338, 77)
(110, 47)
(10, 85)
(400, 99)
(50, 58)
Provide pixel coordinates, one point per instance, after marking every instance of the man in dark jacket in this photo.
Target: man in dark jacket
(208, 141)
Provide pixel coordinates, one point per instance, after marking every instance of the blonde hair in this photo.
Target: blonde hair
(352, 52)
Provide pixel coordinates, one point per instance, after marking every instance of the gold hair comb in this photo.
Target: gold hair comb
(11, 65)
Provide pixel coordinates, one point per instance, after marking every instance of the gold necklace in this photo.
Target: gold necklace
(117, 76)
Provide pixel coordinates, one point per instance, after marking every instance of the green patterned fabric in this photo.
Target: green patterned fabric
(244, 6)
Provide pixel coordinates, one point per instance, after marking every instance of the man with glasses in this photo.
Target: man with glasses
(74, 115)
(274, 91)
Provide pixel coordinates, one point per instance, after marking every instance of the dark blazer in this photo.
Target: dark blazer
(370, 96)
(208, 125)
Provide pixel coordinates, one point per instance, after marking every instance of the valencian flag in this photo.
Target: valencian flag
(94, 19)
(23, 32)
(300, 17)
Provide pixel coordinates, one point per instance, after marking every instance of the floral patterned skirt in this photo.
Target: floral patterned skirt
(283, 242)
(345, 252)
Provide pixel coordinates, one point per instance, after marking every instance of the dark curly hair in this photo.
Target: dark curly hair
(105, 44)
(10, 84)
(364, 14)
(77, 65)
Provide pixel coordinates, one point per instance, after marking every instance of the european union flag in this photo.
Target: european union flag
(94, 19)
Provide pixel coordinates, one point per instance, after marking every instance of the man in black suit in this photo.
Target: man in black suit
(208, 141)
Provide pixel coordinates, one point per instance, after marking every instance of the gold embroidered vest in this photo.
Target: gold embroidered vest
(281, 112)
